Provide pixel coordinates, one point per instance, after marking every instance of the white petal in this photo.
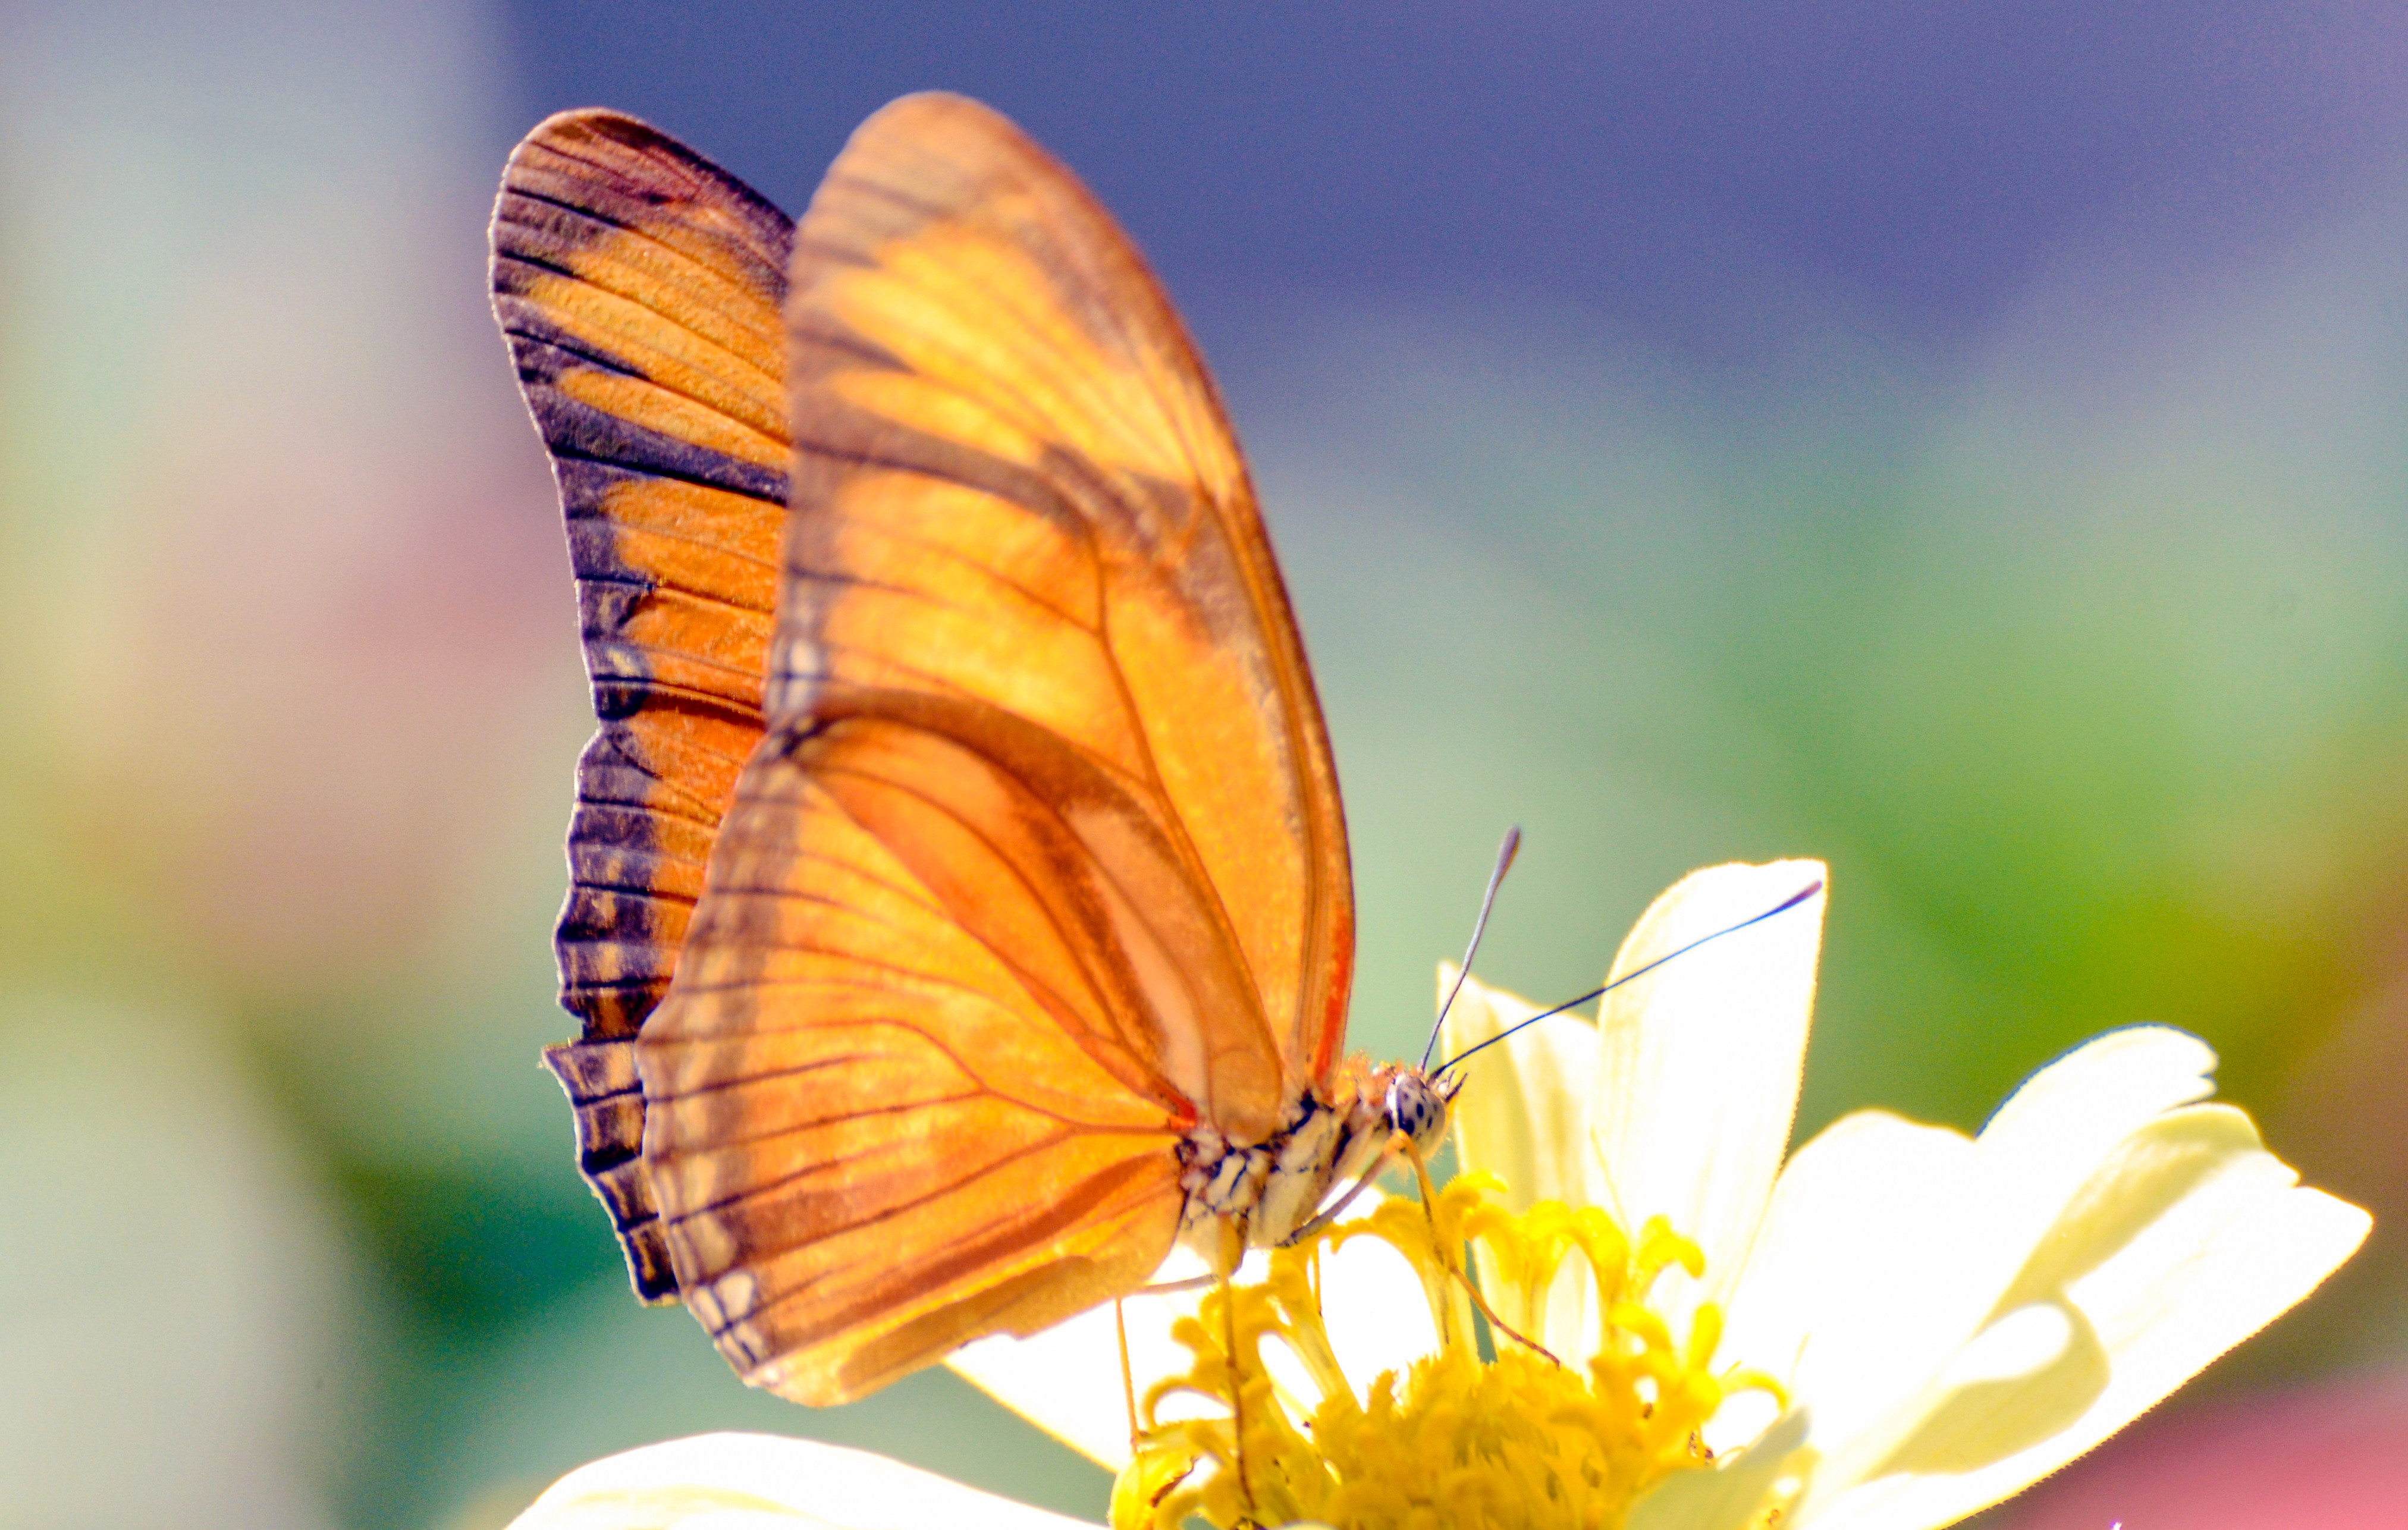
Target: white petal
(2020, 1346)
(1698, 1062)
(1374, 1308)
(1732, 1495)
(1066, 1380)
(2066, 1116)
(1820, 1305)
(2187, 1240)
(761, 1482)
(1939, 1240)
(1523, 1112)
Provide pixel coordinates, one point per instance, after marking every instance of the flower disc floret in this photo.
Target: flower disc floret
(1487, 1429)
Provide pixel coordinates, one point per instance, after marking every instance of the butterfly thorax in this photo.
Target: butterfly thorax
(1264, 1191)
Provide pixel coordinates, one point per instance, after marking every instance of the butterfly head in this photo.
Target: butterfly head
(1415, 1104)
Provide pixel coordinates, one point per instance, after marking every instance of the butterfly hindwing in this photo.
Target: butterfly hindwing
(874, 1132)
(639, 288)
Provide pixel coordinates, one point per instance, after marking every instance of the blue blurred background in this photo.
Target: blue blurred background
(1967, 443)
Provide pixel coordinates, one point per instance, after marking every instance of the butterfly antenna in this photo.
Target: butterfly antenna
(1792, 901)
(1505, 853)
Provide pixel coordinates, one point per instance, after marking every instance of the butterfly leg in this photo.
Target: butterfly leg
(1129, 1381)
(1237, 1391)
(1232, 1250)
(1379, 1166)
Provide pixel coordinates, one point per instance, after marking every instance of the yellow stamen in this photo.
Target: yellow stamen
(1518, 1440)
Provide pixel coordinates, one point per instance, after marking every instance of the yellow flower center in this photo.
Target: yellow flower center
(1525, 1438)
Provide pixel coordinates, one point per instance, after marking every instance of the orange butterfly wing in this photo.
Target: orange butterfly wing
(1041, 860)
(640, 288)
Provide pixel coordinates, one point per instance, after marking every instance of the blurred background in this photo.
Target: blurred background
(1967, 443)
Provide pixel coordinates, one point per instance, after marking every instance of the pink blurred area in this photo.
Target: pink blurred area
(2333, 1457)
(286, 560)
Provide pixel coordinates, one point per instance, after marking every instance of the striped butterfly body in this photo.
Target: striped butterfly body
(960, 914)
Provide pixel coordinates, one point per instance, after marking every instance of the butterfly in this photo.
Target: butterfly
(960, 915)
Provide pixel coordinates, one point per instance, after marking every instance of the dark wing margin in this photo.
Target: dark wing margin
(640, 288)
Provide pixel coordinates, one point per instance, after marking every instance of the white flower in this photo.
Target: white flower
(762, 1482)
(1949, 1318)
(1954, 1317)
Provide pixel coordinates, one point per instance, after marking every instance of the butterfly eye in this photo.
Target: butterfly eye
(1417, 1108)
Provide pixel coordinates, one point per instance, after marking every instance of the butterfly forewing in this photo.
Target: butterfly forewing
(965, 314)
(1041, 861)
(640, 288)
